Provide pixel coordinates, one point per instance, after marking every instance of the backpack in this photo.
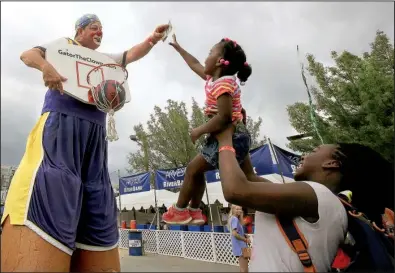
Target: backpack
(366, 247)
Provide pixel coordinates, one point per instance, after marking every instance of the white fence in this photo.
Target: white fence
(203, 246)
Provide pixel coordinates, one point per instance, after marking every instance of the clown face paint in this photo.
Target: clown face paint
(97, 39)
(96, 33)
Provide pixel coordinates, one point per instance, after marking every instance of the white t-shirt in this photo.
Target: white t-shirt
(271, 253)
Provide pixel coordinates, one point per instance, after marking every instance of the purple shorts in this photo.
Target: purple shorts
(62, 189)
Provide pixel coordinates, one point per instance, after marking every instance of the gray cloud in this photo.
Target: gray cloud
(269, 33)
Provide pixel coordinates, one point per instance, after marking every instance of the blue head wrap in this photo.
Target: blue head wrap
(86, 20)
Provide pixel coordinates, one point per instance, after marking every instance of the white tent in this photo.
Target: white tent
(147, 199)
(215, 189)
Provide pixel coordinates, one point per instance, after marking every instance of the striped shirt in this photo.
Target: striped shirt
(214, 89)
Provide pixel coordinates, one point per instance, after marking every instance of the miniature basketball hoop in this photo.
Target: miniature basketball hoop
(107, 92)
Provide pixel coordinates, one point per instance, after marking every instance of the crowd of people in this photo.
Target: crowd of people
(61, 203)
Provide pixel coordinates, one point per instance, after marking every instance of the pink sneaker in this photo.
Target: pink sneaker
(197, 217)
(174, 216)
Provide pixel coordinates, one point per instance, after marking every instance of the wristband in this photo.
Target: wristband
(149, 40)
(227, 148)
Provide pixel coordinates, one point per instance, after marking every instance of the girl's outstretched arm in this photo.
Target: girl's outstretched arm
(293, 199)
(191, 61)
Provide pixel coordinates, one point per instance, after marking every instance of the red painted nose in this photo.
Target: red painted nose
(99, 33)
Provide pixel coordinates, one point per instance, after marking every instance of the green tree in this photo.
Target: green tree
(164, 141)
(354, 100)
(254, 128)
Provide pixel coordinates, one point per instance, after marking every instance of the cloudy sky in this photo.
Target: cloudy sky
(269, 33)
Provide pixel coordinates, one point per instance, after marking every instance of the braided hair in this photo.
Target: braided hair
(369, 176)
(234, 54)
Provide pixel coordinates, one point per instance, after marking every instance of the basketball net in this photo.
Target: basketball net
(107, 92)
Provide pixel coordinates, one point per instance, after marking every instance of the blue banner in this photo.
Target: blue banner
(169, 179)
(287, 161)
(261, 159)
(261, 162)
(212, 176)
(134, 183)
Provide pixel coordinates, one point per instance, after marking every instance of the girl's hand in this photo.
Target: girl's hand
(195, 135)
(175, 44)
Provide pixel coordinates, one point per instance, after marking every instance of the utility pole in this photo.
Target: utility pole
(119, 196)
(144, 145)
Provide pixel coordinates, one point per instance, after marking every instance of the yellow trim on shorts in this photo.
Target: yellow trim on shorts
(20, 191)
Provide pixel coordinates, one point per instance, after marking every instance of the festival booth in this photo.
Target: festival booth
(269, 161)
(141, 207)
(135, 192)
(146, 199)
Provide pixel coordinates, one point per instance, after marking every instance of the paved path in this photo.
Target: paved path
(161, 263)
